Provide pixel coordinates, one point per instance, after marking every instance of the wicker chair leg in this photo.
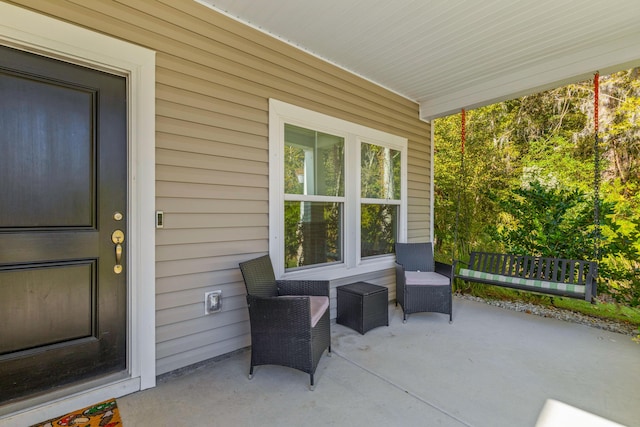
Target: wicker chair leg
(251, 372)
(312, 386)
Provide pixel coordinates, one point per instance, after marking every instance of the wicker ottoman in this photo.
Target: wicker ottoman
(363, 306)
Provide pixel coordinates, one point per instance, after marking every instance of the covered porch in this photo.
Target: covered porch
(490, 367)
(199, 159)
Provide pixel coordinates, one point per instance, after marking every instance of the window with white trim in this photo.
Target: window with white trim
(380, 198)
(337, 193)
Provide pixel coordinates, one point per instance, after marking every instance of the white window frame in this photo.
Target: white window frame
(281, 113)
(369, 201)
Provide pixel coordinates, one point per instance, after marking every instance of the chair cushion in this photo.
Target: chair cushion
(425, 278)
(319, 304)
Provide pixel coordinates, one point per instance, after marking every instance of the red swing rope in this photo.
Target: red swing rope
(596, 172)
(463, 130)
(596, 99)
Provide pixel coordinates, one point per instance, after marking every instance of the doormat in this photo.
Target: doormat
(104, 414)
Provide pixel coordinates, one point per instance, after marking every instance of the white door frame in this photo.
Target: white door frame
(40, 34)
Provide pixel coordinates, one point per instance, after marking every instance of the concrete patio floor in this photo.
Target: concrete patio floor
(491, 367)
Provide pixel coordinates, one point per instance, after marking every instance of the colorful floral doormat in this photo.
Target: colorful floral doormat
(104, 414)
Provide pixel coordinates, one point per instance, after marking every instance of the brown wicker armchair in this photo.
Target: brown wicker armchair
(289, 318)
(422, 284)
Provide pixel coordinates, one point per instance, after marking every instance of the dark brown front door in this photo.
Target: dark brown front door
(63, 181)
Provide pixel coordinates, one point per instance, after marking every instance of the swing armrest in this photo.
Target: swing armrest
(444, 269)
(458, 261)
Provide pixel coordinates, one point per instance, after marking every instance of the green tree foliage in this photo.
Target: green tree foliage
(621, 116)
(527, 184)
(621, 242)
(485, 175)
(545, 220)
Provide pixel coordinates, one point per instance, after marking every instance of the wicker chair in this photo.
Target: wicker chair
(422, 285)
(289, 318)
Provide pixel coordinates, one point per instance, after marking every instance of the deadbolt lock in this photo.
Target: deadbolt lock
(117, 236)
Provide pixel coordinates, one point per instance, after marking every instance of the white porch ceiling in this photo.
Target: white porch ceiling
(453, 54)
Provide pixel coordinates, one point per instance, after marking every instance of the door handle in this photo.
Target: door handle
(117, 237)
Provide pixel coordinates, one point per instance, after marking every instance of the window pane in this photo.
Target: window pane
(313, 162)
(380, 172)
(312, 233)
(379, 229)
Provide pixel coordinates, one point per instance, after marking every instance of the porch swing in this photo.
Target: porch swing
(546, 275)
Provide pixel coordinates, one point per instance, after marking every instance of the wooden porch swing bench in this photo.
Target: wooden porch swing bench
(553, 276)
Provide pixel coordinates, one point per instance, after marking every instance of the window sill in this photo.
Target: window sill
(341, 271)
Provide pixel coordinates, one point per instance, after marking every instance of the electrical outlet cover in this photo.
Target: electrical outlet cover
(212, 302)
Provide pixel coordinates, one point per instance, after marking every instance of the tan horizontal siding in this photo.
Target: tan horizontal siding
(209, 118)
(172, 126)
(419, 166)
(202, 339)
(418, 157)
(169, 69)
(419, 194)
(416, 210)
(181, 357)
(193, 297)
(174, 204)
(212, 162)
(214, 78)
(190, 220)
(203, 100)
(207, 278)
(172, 141)
(200, 324)
(204, 191)
(419, 235)
(182, 313)
(417, 162)
(172, 237)
(186, 173)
